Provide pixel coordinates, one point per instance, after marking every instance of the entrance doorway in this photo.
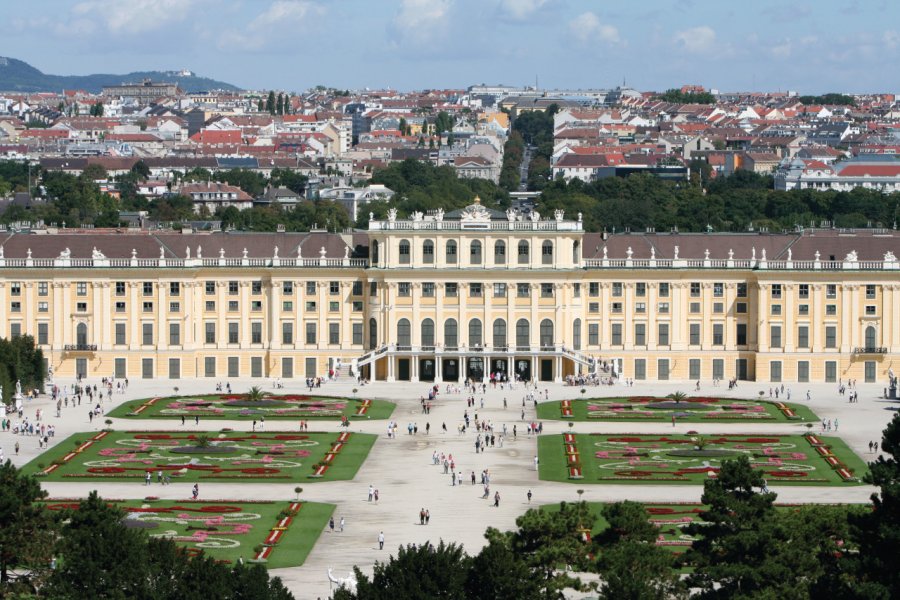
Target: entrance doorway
(499, 365)
(546, 369)
(523, 369)
(426, 369)
(403, 369)
(450, 369)
(81, 367)
(475, 369)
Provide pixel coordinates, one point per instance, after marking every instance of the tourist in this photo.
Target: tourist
(147, 478)
(529, 496)
(371, 492)
(331, 524)
(422, 516)
(342, 524)
(381, 540)
(497, 499)
(195, 492)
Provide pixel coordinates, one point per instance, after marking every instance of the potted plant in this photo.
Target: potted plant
(108, 424)
(255, 394)
(678, 397)
(298, 490)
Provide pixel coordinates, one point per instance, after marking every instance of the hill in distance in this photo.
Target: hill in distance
(19, 76)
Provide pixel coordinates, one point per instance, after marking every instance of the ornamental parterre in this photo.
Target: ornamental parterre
(211, 456)
(691, 409)
(793, 460)
(240, 407)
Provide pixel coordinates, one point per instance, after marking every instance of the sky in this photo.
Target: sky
(809, 46)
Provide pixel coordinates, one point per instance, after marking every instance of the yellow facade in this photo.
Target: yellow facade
(446, 297)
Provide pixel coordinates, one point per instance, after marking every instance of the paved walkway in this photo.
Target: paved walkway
(402, 471)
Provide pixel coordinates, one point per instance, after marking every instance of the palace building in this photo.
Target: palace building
(449, 296)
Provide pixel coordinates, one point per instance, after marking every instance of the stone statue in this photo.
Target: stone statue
(652, 251)
(629, 252)
(763, 257)
(221, 252)
(348, 582)
(299, 252)
(392, 214)
(888, 256)
(852, 256)
(18, 388)
(1, 256)
(706, 254)
(579, 217)
(96, 254)
(730, 254)
(605, 252)
(199, 251)
(275, 254)
(439, 215)
(558, 214)
(162, 252)
(322, 252)
(676, 253)
(65, 253)
(416, 216)
(133, 253)
(753, 253)
(28, 254)
(790, 254)
(371, 216)
(346, 252)
(510, 214)
(817, 255)
(535, 216)
(187, 252)
(244, 254)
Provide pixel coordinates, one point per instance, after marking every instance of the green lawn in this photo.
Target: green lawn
(690, 410)
(238, 407)
(279, 457)
(228, 530)
(675, 459)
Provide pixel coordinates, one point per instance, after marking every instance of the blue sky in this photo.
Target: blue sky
(811, 46)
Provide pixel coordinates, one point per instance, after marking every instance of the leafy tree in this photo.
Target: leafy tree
(27, 532)
(141, 169)
(499, 573)
(424, 571)
(172, 208)
(830, 98)
(292, 180)
(403, 127)
(20, 361)
(279, 104)
(270, 102)
(443, 122)
(679, 97)
(95, 172)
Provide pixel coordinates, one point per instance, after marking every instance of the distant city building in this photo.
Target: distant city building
(874, 172)
(142, 92)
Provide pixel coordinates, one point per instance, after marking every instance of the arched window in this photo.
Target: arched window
(475, 338)
(499, 337)
(404, 252)
(576, 334)
(546, 333)
(523, 253)
(871, 337)
(428, 252)
(375, 252)
(576, 252)
(428, 333)
(451, 334)
(475, 253)
(373, 334)
(451, 252)
(81, 337)
(547, 253)
(403, 333)
(500, 253)
(523, 333)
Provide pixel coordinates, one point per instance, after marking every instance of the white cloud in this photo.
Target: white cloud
(128, 17)
(697, 39)
(891, 39)
(521, 9)
(280, 17)
(782, 50)
(418, 21)
(587, 27)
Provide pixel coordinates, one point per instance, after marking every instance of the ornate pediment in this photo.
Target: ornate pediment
(475, 212)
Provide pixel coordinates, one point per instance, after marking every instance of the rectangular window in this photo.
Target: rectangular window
(775, 336)
(831, 291)
(210, 287)
(256, 288)
(617, 289)
(870, 309)
(310, 333)
(234, 333)
(740, 308)
(803, 291)
(80, 289)
(174, 334)
(640, 369)
(718, 334)
(147, 334)
(522, 290)
(17, 307)
(147, 288)
(174, 306)
(403, 289)
(803, 310)
(120, 334)
(576, 290)
(475, 290)
(662, 369)
(373, 288)
(210, 306)
(663, 334)
(718, 368)
(43, 334)
(233, 306)
(616, 331)
(209, 366)
(593, 289)
(593, 334)
(287, 333)
(663, 308)
(803, 336)
(664, 290)
(694, 369)
(775, 371)
(120, 368)
(695, 289)
(174, 288)
(694, 334)
(499, 290)
(79, 307)
(594, 307)
(640, 334)
(287, 306)
(741, 334)
(42, 288)
(174, 368)
(148, 307)
(718, 289)
(830, 371)
(43, 307)
(742, 290)
(718, 308)
(357, 334)
(776, 309)
(694, 308)
(15, 330)
(546, 290)
(287, 288)
(357, 305)
(830, 336)
(255, 305)
(616, 307)
(256, 366)
(831, 310)
(334, 333)
(209, 331)
(803, 371)
(451, 290)
(334, 288)
(255, 332)
(310, 367)
(640, 289)
(232, 288)
(234, 366)
(870, 291)
(427, 289)
(640, 307)
(287, 367)
(869, 371)
(310, 306)
(147, 368)
(120, 307)
(776, 291)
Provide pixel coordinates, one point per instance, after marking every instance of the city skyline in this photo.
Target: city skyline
(416, 44)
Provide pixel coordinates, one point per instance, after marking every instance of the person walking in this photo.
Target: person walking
(529, 496)
(17, 449)
(381, 540)
(371, 492)
(331, 524)
(427, 516)
(496, 499)
(147, 478)
(196, 491)
(342, 524)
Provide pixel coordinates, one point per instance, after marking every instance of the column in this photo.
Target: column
(679, 315)
(272, 314)
(893, 338)
(162, 323)
(790, 320)
(762, 308)
(846, 317)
